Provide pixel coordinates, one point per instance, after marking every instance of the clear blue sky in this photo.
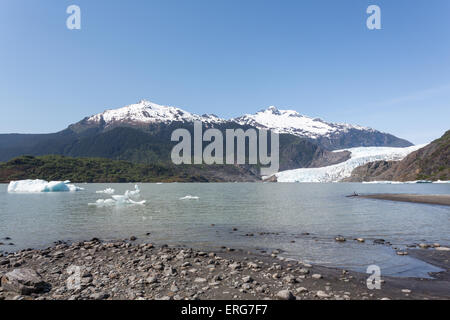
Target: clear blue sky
(228, 57)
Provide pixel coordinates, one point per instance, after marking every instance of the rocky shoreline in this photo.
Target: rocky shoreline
(439, 199)
(127, 270)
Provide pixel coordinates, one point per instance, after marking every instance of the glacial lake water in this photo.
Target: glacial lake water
(284, 212)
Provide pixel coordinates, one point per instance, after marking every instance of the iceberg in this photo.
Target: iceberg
(189, 197)
(133, 194)
(129, 197)
(37, 186)
(106, 191)
(335, 173)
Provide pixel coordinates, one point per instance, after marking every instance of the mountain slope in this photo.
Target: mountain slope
(94, 170)
(431, 162)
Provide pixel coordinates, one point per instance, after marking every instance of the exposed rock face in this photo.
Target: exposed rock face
(23, 281)
(429, 163)
(372, 171)
(325, 158)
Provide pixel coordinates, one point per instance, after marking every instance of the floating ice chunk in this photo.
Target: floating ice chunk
(442, 181)
(136, 193)
(189, 197)
(106, 191)
(37, 186)
(118, 200)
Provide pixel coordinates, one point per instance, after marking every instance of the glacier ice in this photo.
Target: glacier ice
(106, 191)
(36, 186)
(189, 197)
(130, 197)
(334, 173)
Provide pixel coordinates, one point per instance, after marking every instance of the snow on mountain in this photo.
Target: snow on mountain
(337, 172)
(291, 122)
(148, 112)
(329, 135)
(281, 121)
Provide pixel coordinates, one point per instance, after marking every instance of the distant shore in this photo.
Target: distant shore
(440, 199)
(128, 270)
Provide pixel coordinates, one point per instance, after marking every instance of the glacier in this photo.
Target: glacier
(37, 186)
(335, 173)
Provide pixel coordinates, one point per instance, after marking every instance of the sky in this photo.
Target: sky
(228, 57)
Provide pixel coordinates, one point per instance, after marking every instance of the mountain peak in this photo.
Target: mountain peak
(280, 121)
(292, 122)
(147, 112)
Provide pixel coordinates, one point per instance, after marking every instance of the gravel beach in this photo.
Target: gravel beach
(127, 270)
(440, 199)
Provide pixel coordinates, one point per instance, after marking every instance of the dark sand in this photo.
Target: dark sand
(440, 199)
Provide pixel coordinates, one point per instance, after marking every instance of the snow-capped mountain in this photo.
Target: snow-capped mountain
(142, 132)
(281, 121)
(340, 171)
(332, 136)
(146, 112)
(291, 122)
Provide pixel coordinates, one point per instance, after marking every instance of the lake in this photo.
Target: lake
(277, 214)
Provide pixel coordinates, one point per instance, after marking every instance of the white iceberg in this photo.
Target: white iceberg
(37, 186)
(189, 197)
(128, 198)
(335, 173)
(133, 194)
(106, 191)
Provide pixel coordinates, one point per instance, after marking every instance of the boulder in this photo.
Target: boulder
(23, 281)
(285, 295)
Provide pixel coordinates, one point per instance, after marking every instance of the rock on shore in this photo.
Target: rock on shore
(128, 270)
